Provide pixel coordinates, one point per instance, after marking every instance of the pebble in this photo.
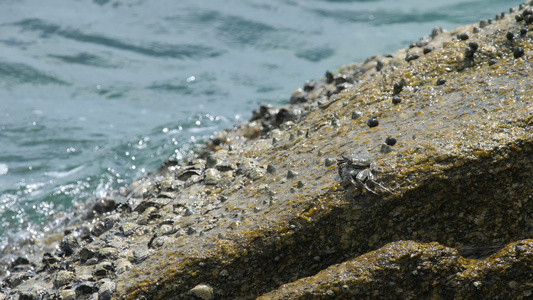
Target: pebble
(330, 161)
(397, 88)
(291, 174)
(396, 99)
(356, 115)
(271, 169)
(469, 52)
(463, 36)
(390, 141)
(257, 173)
(492, 61)
(510, 36)
(202, 291)
(372, 122)
(411, 57)
(518, 52)
(427, 50)
(441, 81)
(473, 45)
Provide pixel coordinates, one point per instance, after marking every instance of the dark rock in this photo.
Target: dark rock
(396, 99)
(463, 36)
(342, 86)
(441, 81)
(518, 52)
(372, 122)
(411, 57)
(69, 244)
(329, 77)
(342, 78)
(85, 253)
(310, 85)
(469, 52)
(473, 45)
(17, 278)
(427, 50)
(20, 261)
(397, 88)
(85, 288)
(102, 226)
(105, 205)
(437, 31)
(390, 141)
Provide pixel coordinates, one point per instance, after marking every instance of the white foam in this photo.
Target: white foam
(3, 169)
(63, 174)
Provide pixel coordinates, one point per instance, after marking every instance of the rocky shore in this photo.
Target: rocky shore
(434, 198)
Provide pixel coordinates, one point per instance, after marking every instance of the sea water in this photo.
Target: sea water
(94, 94)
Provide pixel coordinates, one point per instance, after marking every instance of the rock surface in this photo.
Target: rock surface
(262, 209)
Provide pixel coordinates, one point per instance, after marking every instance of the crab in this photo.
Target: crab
(359, 168)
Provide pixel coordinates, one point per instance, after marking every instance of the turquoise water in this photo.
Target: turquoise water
(96, 93)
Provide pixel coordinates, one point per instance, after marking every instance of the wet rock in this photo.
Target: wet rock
(102, 226)
(85, 288)
(310, 85)
(85, 253)
(460, 177)
(122, 265)
(257, 173)
(298, 96)
(106, 290)
(67, 294)
(103, 269)
(63, 278)
(69, 244)
(212, 176)
(105, 205)
(17, 278)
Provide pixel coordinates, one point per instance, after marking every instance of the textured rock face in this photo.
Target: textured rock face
(263, 210)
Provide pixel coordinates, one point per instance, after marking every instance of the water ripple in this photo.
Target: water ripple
(153, 49)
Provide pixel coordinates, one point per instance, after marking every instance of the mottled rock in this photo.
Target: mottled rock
(459, 175)
(62, 278)
(212, 176)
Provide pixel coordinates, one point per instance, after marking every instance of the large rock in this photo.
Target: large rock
(272, 210)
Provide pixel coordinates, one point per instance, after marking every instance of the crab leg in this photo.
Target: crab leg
(380, 185)
(367, 187)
